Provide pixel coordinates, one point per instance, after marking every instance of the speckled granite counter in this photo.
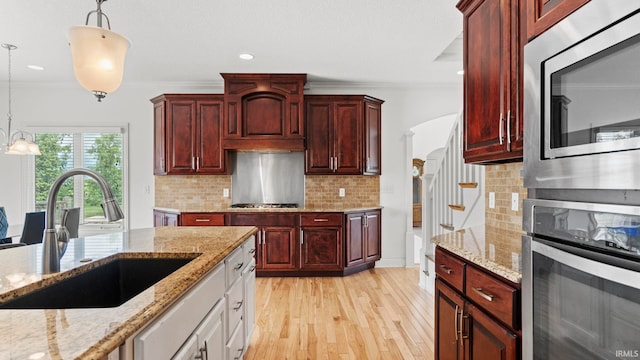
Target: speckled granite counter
(494, 249)
(94, 333)
(278, 210)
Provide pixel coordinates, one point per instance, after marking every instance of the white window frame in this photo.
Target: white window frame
(28, 167)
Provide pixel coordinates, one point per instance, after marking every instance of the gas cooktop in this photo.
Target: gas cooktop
(265, 206)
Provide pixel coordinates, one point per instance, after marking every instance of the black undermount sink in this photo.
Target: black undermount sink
(108, 285)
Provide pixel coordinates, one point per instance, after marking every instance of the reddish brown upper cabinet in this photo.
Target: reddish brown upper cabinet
(343, 134)
(492, 78)
(542, 14)
(187, 137)
(264, 111)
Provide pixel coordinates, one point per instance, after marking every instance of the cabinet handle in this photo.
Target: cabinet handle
(446, 269)
(252, 251)
(301, 237)
(239, 356)
(239, 266)
(501, 133)
(239, 306)
(331, 163)
(253, 268)
(203, 220)
(455, 322)
(463, 317)
(509, 127)
(320, 220)
(193, 162)
(336, 164)
(482, 294)
(197, 163)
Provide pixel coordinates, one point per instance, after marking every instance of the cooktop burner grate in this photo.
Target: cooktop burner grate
(265, 206)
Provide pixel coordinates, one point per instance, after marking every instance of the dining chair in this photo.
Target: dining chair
(11, 245)
(33, 228)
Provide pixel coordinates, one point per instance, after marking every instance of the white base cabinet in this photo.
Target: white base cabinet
(212, 321)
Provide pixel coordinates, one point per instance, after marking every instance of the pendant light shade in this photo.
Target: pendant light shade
(98, 55)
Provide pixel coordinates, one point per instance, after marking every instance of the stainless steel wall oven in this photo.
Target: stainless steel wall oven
(581, 292)
(581, 254)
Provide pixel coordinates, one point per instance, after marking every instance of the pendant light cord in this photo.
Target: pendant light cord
(9, 47)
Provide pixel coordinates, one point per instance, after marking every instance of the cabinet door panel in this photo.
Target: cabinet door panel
(449, 304)
(279, 248)
(321, 248)
(487, 339)
(372, 139)
(348, 137)
(263, 115)
(355, 239)
(542, 14)
(373, 236)
(159, 139)
(319, 140)
(210, 156)
(180, 136)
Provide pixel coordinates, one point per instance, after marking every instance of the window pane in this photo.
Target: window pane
(103, 154)
(56, 158)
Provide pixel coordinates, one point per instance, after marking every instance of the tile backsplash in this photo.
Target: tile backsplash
(205, 192)
(503, 180)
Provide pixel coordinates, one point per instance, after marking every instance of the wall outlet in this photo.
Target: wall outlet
(225, 193)
(492, 200)
(514, 202)
(515, 261)
(492, 252)
(341, 192)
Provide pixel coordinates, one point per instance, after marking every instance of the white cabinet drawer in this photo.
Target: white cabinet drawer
(249, 248)
(167, 334)
(235, 346)
(234, 264)
(235, 305)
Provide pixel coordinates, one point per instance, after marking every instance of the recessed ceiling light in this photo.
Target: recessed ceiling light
(35, 67)
(246, 56)
(460, 72)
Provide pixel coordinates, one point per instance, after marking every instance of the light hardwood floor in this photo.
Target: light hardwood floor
(376, 314)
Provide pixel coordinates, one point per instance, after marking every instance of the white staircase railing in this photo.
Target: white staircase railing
(453, 199)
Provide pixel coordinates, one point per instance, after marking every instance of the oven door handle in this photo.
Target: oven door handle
(606, 271)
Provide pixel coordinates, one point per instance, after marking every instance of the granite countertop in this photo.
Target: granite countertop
(94, 333)
(277, 210)
(497, 250)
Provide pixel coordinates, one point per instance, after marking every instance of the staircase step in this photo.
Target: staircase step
(468, 185)
(447, 227)
(456, 207)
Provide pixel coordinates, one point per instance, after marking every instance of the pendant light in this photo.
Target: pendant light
(98, 55)
(19, 142)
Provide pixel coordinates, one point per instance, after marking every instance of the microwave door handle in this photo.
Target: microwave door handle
(501, 135)
(612, 273)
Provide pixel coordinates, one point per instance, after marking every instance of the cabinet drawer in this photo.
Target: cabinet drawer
(495, 296)
(233, 264)
(202, 219)
(235, 305)
(249, 249)
(450, 269)
(321, 219)
(235, 346)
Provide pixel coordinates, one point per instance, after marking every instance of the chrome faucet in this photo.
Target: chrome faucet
(54, 242)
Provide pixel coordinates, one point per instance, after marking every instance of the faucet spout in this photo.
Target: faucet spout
(54, 242)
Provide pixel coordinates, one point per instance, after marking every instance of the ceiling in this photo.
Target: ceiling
(363, 42)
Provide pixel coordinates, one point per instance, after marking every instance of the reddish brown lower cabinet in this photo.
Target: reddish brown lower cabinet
(321, 242)
(201, 219)
(165, 218)
(363, 240)
(477, 315)
(276, 240)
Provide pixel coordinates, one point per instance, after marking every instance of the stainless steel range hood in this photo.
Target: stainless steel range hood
(268, 177)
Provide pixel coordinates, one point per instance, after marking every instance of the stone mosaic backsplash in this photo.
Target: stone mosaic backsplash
(200, 192)
(504, 179)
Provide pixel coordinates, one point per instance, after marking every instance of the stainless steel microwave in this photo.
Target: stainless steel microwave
(582, 100)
